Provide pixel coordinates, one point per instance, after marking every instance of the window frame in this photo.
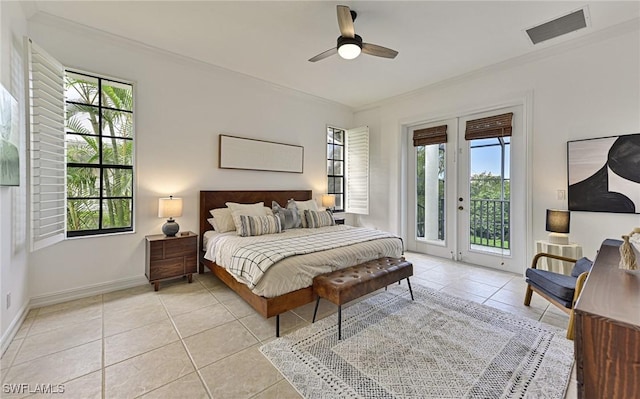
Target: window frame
(101, 166)
(332, 159)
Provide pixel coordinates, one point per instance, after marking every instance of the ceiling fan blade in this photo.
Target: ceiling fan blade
(378, 51)
(324, 55)
(345, 22)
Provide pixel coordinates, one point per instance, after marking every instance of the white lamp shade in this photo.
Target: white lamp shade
(169, 207)
(349, 51)
(328, 201)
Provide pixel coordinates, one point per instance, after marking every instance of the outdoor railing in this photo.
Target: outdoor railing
(489, 223)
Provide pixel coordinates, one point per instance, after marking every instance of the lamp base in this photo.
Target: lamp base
(559, 238)
(170, 228)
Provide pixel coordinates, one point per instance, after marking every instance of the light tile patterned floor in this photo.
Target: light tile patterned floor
(201, 340)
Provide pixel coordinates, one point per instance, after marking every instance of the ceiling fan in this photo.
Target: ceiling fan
(349, 44)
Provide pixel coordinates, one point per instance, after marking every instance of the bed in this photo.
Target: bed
(269, 305)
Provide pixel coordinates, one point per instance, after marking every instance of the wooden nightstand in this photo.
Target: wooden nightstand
(170, 257)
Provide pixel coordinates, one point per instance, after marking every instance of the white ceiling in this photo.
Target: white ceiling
(273, 40)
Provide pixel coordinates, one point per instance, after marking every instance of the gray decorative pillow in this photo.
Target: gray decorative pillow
(257, 225)
(319, 219)
(289, 217)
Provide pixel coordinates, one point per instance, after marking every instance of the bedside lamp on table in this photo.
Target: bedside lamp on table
(170, 207)
(558, 226)
(329, 201)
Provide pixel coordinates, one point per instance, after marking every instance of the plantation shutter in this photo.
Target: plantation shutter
(430, 135)
(46, 147)
(357, 170)
(486, 128)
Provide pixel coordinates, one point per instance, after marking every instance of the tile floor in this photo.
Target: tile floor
(197, 340)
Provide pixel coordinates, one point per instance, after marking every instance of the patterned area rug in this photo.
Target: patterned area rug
(437, 346)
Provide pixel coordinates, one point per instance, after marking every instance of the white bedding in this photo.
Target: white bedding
(295, 272)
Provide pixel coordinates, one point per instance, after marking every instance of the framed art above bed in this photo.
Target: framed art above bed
(253, 154)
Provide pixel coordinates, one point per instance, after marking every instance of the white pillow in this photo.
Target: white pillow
(257, 209)
(237, 210)
(223, 220)
(301, 206)
(310, 205)
(212, 222)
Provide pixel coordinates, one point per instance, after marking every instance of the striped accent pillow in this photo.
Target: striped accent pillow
(247, 226)
(319, 219)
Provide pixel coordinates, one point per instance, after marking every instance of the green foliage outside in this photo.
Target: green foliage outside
(489, 210)
(421, 190)
(489, 205)
(91, 134)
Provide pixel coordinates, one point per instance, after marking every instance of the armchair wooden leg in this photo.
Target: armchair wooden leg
(570, 327)
(527, 296)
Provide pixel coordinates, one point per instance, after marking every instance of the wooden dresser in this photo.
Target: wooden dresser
(607, 321)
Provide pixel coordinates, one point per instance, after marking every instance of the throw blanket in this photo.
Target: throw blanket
(249, 261)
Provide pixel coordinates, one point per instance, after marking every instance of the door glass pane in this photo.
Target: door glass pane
(430, 185)
(489, 188)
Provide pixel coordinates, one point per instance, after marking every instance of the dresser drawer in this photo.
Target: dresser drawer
(180, 247)
(167, 268)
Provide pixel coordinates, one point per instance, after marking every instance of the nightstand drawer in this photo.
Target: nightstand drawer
(191, 264)
(167, 268)
(180, 247)
(156, 250)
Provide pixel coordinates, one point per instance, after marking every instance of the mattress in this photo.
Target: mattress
(297, 271)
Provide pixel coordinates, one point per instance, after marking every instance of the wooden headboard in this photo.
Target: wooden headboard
(217, 199)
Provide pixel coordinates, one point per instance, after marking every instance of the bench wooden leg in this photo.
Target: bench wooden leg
(410, 290)
(339, 322)
(315, 311)
(277, 325)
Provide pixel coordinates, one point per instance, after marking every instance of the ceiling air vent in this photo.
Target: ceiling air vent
(558, 27)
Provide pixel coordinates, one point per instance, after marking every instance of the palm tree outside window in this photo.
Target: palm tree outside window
(100, 148)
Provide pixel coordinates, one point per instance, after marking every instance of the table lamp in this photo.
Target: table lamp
(558, 225)
(329, 201)
(170, 207)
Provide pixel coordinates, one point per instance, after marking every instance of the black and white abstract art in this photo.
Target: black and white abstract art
(604, 174)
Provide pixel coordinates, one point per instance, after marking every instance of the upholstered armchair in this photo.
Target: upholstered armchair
(559, 289)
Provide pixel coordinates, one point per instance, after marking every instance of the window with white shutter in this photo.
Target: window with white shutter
(80, 147)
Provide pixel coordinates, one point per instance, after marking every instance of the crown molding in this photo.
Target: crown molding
(53, 21)
(561, 48)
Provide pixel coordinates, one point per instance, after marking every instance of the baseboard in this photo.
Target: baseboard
(13, 329)
(83, 292)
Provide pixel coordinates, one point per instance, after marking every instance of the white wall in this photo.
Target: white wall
(13, 255)
(181, 107)
(587, 89)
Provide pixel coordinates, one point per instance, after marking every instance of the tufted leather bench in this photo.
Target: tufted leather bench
(344, 285)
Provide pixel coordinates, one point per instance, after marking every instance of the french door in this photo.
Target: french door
(466, 196)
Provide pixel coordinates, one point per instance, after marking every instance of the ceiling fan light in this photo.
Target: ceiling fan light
(349, 51)
(349, 47)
